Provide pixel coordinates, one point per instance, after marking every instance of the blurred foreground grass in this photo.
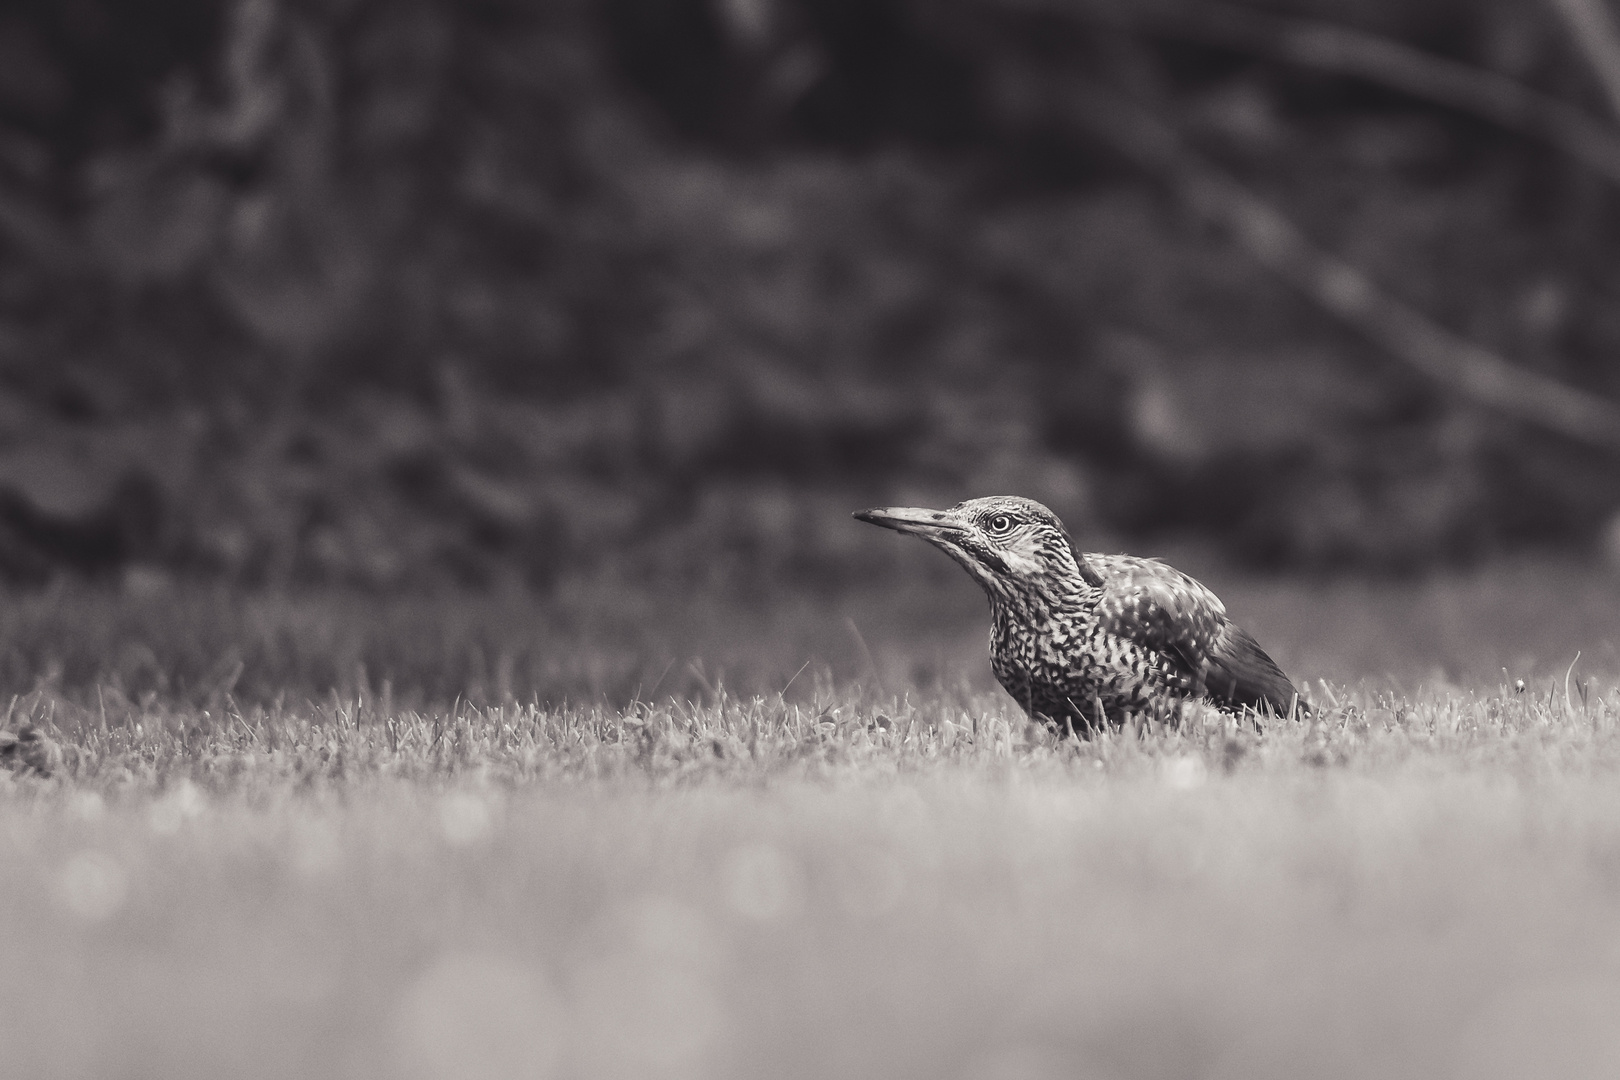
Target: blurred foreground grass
(894, 876)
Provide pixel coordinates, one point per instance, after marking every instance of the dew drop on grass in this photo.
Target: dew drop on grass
(473, 1016)
(94, 886)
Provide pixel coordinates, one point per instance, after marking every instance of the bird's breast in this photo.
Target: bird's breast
(1054, 659)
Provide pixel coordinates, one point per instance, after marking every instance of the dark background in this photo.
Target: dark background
(413, 294)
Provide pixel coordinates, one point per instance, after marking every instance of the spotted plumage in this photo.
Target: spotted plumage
(1084, 639)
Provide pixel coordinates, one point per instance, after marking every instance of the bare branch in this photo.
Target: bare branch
(1592, 26)
(1382, 62)
(1344, 290)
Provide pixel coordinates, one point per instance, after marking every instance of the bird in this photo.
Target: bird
(1083, 640)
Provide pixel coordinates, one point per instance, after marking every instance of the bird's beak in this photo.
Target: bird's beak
(912, 519)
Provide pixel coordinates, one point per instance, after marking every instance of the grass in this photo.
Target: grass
(361, 838)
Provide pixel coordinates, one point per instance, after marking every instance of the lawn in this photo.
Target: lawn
(599, 836)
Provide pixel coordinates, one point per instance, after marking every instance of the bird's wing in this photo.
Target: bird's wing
(1157, 606)
(1241, 673)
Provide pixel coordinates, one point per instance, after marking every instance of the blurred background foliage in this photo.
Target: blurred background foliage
(490, 292)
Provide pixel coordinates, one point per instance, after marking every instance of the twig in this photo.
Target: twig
(1339, 50)
(1339, 287)
(1592, 26)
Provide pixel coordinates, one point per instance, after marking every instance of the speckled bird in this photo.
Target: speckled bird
(1081, 639)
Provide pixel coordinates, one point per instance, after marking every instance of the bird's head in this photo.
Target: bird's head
(1015, 548)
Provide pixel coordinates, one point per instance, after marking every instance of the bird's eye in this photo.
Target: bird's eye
(999, 524)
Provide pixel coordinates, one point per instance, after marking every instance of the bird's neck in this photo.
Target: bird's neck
(1046, 598)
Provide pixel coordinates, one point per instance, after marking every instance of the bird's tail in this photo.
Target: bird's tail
(1241, 673)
